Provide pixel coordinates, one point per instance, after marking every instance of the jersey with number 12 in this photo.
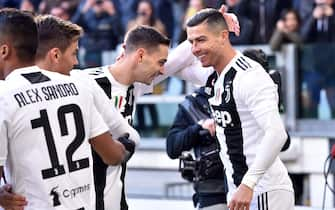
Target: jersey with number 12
(46, 122)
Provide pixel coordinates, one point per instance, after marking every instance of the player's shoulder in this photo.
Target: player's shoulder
(248, 69)
(95, 72)
(243, 64)
(31, 75)
(2, 86)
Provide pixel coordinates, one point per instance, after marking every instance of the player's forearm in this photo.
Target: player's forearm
(195, 73)
(178, 59)
(121, 127)
(270, 146)
(118, 126)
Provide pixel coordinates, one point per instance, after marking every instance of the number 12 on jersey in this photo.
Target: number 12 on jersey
(43, 122)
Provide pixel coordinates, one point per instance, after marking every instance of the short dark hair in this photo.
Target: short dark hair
(20, 29)
(213, 18)
(55, 32)
(146, 37)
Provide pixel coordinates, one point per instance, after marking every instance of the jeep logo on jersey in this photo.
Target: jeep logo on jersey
(222, 118)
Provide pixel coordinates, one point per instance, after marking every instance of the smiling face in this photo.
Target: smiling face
(151, 64)
(206, 43)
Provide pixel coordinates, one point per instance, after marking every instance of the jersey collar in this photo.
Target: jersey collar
(231, 63)
(21, 71)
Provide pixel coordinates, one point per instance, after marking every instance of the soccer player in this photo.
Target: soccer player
(248, 124)
(47, 124)
(146, 51)
(57, 51)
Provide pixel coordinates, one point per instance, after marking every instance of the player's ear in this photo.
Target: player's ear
(4, 51)
(54, 54)
(140, 53)
(224, 35)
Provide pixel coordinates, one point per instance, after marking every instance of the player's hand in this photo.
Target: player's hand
(241, 198)
(122, 53)
(11, 201)
(128, 144)
(231, 19)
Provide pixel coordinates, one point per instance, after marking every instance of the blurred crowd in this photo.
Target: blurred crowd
(271, 22)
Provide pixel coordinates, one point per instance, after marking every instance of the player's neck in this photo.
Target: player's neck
(121, 72)
(43, 65)
(11, 66)
(224, 60)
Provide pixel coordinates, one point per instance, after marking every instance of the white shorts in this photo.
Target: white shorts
(273, 200)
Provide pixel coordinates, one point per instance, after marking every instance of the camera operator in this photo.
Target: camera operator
(194, 129)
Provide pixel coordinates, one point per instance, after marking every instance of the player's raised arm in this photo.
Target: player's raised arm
(184, 65)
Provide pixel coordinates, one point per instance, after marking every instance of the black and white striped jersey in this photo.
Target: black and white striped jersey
(111, 115)
(46, 121)
(110, 180)
(245, 109)
(122, 96)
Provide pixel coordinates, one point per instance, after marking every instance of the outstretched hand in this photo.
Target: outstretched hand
(231, 19)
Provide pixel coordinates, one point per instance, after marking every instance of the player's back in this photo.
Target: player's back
(48, 119)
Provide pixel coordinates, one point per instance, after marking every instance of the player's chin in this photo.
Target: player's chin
(205, 64)
(148, 81)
